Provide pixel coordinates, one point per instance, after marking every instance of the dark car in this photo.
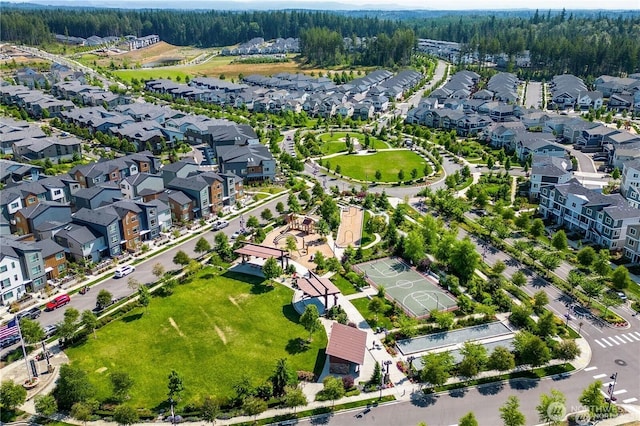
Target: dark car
(32, 313)
(9, 340)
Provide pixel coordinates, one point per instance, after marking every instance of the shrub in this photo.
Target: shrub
(347, 382)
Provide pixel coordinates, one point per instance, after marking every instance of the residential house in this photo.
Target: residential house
(216, 189)
(21, 269)
(163, 214)
(565, 90)
(105, 223)
(82, 243)
(632, 243)
(13, 172)
(589, 99)
(591, 139)
(14, 131)
(27, 219)
(197, 190)
(53, 256)
(620, 102)
(548, 171)
(95, 196)
(140, 185)
(503, 135)
(601, 219)
(538, 146)
(250, 162)
(180, 205)
(55, 149)
(179, 169)
(630, 183)
(115, 170)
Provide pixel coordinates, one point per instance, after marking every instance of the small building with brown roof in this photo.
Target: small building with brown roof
(346, 349)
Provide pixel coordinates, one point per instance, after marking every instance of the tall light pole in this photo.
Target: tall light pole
(612, 387)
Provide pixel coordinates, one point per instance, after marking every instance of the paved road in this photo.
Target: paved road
(118, 287)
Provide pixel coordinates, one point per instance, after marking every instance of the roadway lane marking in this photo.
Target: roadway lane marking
(591, 368)
(605, 341)
(620, 338)
(634, 337)
(599, 376)
(636, 333)
(607, 384)
(598, 342)
(614, 341)
(629, 401)
(618, 392)
(627, 338)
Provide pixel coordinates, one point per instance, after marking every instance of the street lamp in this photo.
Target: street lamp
(411, 359)
(612, 387)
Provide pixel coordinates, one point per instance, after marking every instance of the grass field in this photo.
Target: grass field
(334, 143)
(212, 330)
(363, 167)
(362, 305)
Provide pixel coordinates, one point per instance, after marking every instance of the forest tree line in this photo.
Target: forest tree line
(559, 42)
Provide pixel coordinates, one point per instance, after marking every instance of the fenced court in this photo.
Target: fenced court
(416, 293)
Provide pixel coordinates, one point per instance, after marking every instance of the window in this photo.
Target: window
(60, 256)
(36, 269)
(33, 257)
(135, 230)
(134, 219)
(15, 205)
(607, 220)
(5, 283)
(38, 282)
(632, 231)
(7, 295)
(589, 212)
(56, 192)
(153, 222)
(15, 278)
(62, 267)
(3, 268)
(114, 239)
(31, 200)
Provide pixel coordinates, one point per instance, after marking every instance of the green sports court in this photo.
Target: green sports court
(418, 294)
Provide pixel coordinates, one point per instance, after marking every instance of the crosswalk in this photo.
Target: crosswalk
(605, 388)
(619, 339)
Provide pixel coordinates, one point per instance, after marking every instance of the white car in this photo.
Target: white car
(124, 270)
(235, 235)
(219, 224)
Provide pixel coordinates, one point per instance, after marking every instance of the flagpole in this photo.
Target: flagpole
(24, 351)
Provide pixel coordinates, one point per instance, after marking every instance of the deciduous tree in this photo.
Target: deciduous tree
(510, 413)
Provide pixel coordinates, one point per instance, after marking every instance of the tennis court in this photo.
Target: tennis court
(416, 293)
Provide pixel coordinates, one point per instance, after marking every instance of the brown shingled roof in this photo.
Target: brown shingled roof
(347, 343)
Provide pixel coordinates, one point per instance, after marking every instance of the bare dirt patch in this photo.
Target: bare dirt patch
(174, 325)
(234, 302)
(221, 334)
(101, 370)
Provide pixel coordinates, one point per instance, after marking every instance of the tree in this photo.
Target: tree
(468, 419)
(510, 413)
(550, 260)
(144, 297)
(615, 174)
(222, 247)
(292, 202)
(181, 258)
(620, 278)
(210, 409)
(601, 264)
(444, 320)
(103, 299)
(414, 247)
(546, 326)
(501, 359)
(31, 330)
(271, 269)
(12, 395)
(291, 244)
(158, 270)
(45, 405)
(82, 411)
(310, 319)
(377, 306)
(266, 215)
(436, 368)
(280, 378)
(592, 288)
(498, 268)
(551, 407)
(125, 415)
(121, 383)
(531, 349)
(586, 256)
(294, 397)
(540, 299)
(280, 207)
(253, 222)
(73, 386)
(90, 321)
(320, 261)
(464, 259)
(333, 388)
(592, 398)
(253, 406)
(490, 162)
(401, 175)
(567, 350)
(473, 361)
(537, 228)
(378, 175)
(559, 240)
(175, 386)
(519, 278)
(133, 284)
(202, 246)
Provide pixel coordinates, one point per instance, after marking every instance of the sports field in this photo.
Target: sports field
(388, 163)
(417, 293)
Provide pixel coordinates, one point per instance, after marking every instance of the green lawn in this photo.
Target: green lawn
(150, 74)
(362, 305)
(343, 285)
(334, 143)
(212, 330)
(389, 163)
(367, 237)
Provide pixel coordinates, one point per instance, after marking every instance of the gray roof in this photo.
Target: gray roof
(79, 233)
(48, 247)
(192, 183)
(99, 217)
(90, 193)
(178, 197)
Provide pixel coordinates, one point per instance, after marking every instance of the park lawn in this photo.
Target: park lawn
(345, 287)
(335, 142)
(212, 331)
(367, 237)
(362, 305)
(151, 73)
(389, 163)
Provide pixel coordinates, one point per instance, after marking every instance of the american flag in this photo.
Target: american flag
(9, 329)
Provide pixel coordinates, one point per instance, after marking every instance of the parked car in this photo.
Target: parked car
(58, 302)
(50, 330)
(219, 224)
(32, 313)
(9, 340)
(123, 271)
(235, 235)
